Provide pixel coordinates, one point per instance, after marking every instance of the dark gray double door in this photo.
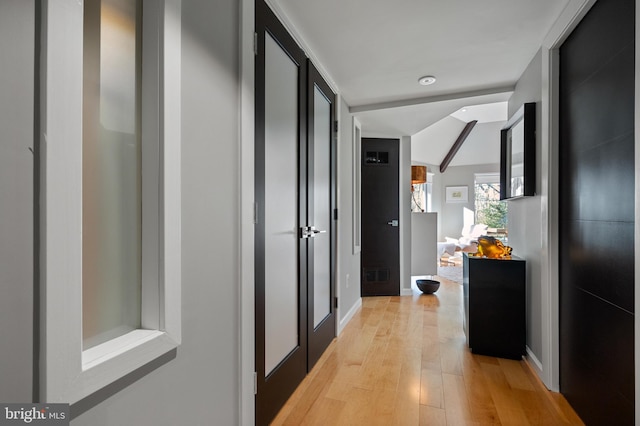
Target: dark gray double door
(295, 229)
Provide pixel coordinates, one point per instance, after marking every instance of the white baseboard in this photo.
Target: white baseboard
(406, 292)
(534, 363)
(344, 321)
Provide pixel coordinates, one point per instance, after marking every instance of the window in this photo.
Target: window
(111, 172)
(110, 191)
(489, 209)
(356, 190)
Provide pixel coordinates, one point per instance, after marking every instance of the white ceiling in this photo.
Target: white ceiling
(375, 51)
(431, 145)
(486, 113)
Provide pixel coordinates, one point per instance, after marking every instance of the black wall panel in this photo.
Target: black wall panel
(597, 214)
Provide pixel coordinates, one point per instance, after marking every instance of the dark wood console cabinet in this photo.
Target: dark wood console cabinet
(494, 306)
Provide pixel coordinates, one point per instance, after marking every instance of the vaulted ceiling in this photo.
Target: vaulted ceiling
(376, 50)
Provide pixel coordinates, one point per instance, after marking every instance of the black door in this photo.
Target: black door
(280, 185)
(296, 228)
(321, 231)
(380, 250)
(597, 215)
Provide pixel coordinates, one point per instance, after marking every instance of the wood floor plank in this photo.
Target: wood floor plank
(406, 408)
(534, 408)
(554, 401)
(430, 416)
(403, 360)
(325, 409)
(456, 403)
(314, 390)
(388, 376)
(431, 390)
(451, 356)
(563, 409)
(339, 389)
(481, 403)
(357, 410)
(429, 317)
(371, 367)
(409, 382)
(384, 407)
(515, 374)
(411, 364)
(508, 408)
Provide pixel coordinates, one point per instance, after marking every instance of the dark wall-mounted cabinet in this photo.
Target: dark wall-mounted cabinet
(494, 306)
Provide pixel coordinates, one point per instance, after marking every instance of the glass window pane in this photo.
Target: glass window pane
(111, 238)
(281, 205)
(489, 210)
(321, 207)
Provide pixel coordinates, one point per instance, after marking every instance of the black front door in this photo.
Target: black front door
(380, 252)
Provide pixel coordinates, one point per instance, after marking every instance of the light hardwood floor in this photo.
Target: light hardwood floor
(404, 361)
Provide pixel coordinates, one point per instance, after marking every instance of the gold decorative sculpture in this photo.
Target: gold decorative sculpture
(492, 248)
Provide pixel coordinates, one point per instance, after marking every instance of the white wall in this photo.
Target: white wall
(17, 25)
(405, 215)
(445, 131)
(200, 386)
(450, 215)
(525, 214)
(348, 279)
(424, 243)
(482, 146)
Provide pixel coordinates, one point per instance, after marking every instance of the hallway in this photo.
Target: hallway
(404, 361)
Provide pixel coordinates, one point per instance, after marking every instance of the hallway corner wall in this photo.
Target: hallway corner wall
(405, 215)
(348, 280)
(17, 33)
(524, 214)
(200, 386)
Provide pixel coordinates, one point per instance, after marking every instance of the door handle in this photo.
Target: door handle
(310, 232)
(305, 232)
(394, 222)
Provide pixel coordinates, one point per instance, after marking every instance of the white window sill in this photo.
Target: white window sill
(118, 346)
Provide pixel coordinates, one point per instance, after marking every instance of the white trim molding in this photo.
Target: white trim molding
(246, 290)
(349, 315)
(533, 361)
(67, 373)
(548, 368)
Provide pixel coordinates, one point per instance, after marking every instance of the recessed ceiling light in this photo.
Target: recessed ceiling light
(427, 80)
